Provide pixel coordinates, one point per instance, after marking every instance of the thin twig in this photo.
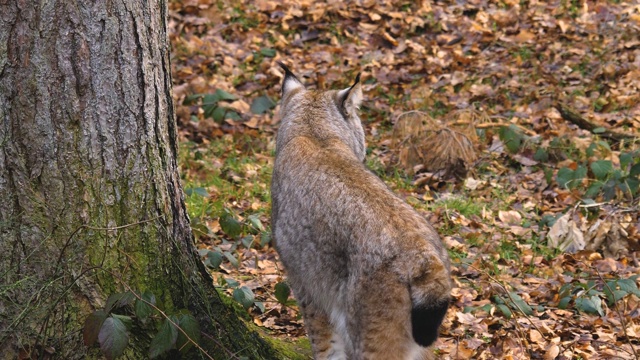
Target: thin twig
(123, 226)
(494, 124)
(519, 329)
(513, 301)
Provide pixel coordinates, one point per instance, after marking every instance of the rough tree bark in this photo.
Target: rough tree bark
(90, 197)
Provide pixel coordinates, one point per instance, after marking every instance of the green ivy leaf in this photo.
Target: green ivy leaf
(614, 296)
(244, 296)
(189, 325)
(143, 310)
(594, 189)
(625, 160)
(541, 155)
(570, 179)
(119, 300)
(201, 191)
(210, 100)
(233, 115)
(217, 114)
(579, 174)
(564, 302)
(265, 238)
(598, 130)
(591, 305)
(164, 340)
(629, 285)
(255, 222)
(511, 137)
(126, 320)
(282, 292)
(521, 304)
(262, 104)
(225, 96)
(635, 170)
(268, 52)
(564, 177)
(504, 309)
(230, 225)
(247, 241)
(127, 299)
(214, 259)
(92, 326)
(231, 282)
(601, 168)
(209, 110)
(190, 99)
(232, 259)
(113, 338)
(609, 189)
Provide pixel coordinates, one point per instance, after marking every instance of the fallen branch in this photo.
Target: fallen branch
(574, 117)
(497, 124)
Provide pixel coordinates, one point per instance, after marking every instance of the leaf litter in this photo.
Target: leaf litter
(530, 183)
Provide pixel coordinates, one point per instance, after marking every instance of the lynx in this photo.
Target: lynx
(370, 274)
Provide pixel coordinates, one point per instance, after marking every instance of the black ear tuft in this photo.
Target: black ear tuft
(290, 81)
(350, 98)
(284, 67)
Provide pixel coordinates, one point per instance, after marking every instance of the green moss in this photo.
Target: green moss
(291, 350)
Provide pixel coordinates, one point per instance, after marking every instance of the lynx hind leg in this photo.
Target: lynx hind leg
(382, 326)
(326, 343)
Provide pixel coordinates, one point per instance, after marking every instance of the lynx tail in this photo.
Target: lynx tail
(426, 319)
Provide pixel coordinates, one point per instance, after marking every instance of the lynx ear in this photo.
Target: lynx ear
(351, 98)
(290, 81)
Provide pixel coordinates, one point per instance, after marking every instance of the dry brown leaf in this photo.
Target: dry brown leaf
(510, 217)
(565, 235)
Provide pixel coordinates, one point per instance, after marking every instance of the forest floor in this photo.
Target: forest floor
(538, 203)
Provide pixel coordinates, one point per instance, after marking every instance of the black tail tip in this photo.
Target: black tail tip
(426, 320)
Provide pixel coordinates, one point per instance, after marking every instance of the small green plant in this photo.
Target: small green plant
(524, 53)
(587, 296)
(512, 137)
(241, 233)
(213, 105)
(242, 294)
(283, 292)
(508, 303)
(607, 180)
(245, 297)
(110, 327)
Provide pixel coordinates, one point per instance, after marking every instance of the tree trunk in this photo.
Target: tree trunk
(90, 197)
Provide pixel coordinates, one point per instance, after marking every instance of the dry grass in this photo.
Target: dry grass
(444, 149)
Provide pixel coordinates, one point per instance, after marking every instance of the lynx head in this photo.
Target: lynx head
(325, 116)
